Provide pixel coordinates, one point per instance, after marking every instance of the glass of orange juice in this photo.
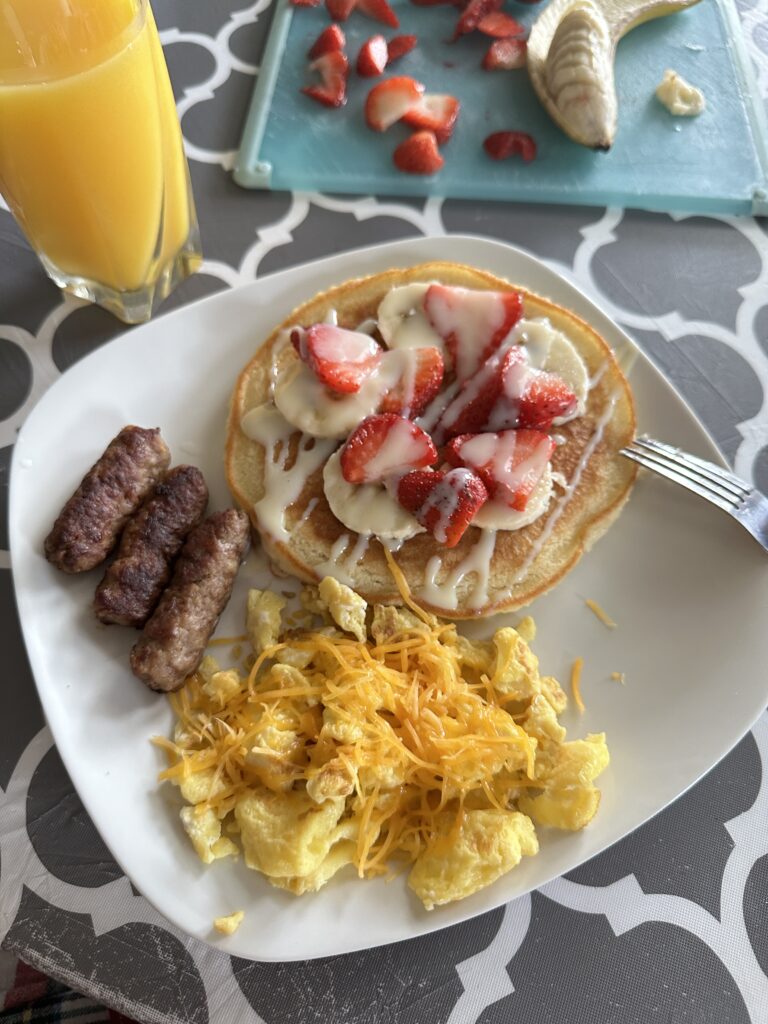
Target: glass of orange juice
(92, 161)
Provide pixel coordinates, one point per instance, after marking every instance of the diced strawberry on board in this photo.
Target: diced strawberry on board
(331, 38)
(373, 57)
(502, 145)
(435, 113)
(506, 55)
(398, 46)
(419, 154)
(500, 25)
(388, 101)
(332, 90)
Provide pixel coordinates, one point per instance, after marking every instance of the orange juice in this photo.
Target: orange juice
(91, 157)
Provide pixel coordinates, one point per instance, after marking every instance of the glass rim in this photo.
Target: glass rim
(102, 54)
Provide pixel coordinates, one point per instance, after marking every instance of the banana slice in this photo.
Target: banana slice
(366, 508)
(571, 55)
(495, 515)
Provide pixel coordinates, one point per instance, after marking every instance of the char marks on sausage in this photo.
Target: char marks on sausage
(174, 638)
(90, 523)
(133, 583)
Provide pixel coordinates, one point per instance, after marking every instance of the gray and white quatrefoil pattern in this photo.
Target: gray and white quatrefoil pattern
(671, 924)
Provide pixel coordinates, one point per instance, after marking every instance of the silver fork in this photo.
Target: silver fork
(717, 485)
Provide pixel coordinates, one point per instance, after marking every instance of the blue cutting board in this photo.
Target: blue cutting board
(717, 162)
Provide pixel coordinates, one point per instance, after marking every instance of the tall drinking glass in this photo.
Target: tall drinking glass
(92, 162)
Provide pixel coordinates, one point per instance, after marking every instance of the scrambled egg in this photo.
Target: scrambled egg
(228, 925)
(382, 737)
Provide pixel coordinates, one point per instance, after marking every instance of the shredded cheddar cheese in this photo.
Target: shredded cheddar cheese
(576, 684)
(600, 613)
(376, 751)
(618, 677)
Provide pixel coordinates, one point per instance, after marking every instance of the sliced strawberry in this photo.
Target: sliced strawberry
(398, 46)
(435, 113)
(305, 3)
(472, 323)
(477, 403)
(502, 145)
(510, 463)
(331, 38)
(373, 57)
(545, 398)
(385, 445)
(341, 359)
(379, 10)
(419, 384)
(500, 25)
(444, 503)
(506, 55)
(418, 154)
(340, 10)
(473, 14)
(333, 68)
(389, 100)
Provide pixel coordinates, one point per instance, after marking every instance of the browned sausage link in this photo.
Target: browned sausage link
(133, 583)
(110, 492)
(174, 638)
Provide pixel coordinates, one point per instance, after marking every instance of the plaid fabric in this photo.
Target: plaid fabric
(29, 997)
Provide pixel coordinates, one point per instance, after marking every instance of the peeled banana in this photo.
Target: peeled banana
(571, 55)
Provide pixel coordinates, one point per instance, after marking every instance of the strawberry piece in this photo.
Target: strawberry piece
(388, 101)
(373, 57)
(340, 10)
(510, 463)
(473, 14)
(434, 113)
(331, 38)
(379, 10)
(398, 46)
(506, 55)
(333, 68)
(340, 359)
(502, 145)
(472, 323)
(418, 154)
(473, 408)
(305, 3)
(500, 25)
(418, 385)
(545, 398)
(384, 445)
(444, 503)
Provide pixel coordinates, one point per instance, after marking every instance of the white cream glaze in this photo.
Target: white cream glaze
(314, 409)
(402, 320)
(333, 565)
(367, 509)
(549, 349)
(496, 515)
(568, 491)
(477, 561)
(282, 487)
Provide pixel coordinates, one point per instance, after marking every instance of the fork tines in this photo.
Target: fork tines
(703, 478)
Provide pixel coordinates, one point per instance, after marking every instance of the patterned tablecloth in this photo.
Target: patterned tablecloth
(671, 924)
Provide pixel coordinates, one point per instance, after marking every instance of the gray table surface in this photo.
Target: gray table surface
(671, 924)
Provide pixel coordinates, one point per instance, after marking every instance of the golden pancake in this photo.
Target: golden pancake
(487, 571)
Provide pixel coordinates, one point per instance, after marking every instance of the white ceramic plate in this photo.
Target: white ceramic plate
(688, 589)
